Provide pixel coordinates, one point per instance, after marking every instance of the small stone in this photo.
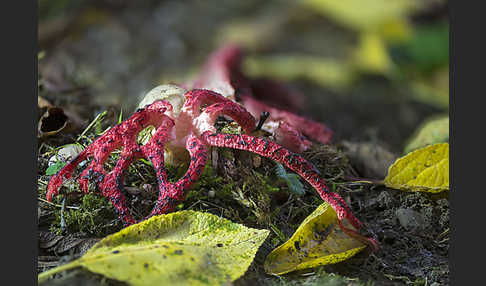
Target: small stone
(410, 219)
(66, 153)
(211, 193)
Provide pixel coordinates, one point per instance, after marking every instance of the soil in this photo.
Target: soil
(85, 75)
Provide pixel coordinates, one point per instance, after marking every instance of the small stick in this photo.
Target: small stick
(63, 221)
(363, 180)
(56, 205)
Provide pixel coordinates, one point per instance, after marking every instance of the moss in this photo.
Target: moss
(333, 163)
(95, 216)
(315, 278)
(231, 128)
(320, 278)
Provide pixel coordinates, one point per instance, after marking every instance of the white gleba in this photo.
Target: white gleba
(175, 151)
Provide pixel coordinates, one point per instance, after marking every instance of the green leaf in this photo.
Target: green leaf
(63, 155)
(181, 248)
(317, 241)
(429, 47)
(435, 130)
(426, 170)
(54, 168)
(120, 117)
(292, 180)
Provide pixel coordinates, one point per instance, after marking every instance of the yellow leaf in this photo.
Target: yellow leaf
(435, 130)
(330, 73)
(363, 15)
(396, 31)
(182, 248)
(371, 54)
(426, 170)
(318, 241)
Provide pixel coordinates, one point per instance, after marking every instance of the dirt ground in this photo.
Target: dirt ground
(85, 75)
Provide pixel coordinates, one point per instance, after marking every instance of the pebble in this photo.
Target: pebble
(410, 219)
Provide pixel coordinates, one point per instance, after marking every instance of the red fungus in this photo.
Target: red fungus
(222, 73)
(192, 129)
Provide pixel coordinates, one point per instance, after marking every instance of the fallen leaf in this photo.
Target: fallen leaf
(435, 130)
(57, 245)
(425, 170)
(42, 102)
(55, 167)
(56, 120)
(327, 72)
(370, 159)
(317, 241)
(52, 122)
(371, 54)
(433, 90)
(181, 248)
(48, 239)
(360, 15)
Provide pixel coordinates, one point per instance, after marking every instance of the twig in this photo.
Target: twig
(63, 220)
(363, 180)
(56, 205)
(97, 118)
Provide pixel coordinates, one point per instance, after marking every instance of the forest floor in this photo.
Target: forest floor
(372, 122)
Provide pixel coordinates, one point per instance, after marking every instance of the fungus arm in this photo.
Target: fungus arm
(171, 193)
(296, 163)
(123, 135)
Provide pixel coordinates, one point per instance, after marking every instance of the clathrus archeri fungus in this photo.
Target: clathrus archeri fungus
(221, 90)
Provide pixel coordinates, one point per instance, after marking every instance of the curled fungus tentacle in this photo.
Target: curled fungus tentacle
(292, 160)
(296, 163)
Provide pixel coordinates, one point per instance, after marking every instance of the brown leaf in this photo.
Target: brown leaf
(56, 120)
(59, 244)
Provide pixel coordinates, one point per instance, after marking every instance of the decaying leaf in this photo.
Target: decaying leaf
(426, 170)
(58, 244)
(56, 120)
(52, 122)
(432, 131)
(42, 102)
(317, 241)
(182, 248)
